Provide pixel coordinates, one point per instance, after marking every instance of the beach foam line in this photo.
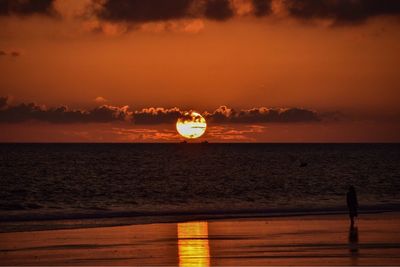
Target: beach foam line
(273, 212)
(31, 222)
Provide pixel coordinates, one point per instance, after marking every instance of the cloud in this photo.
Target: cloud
(154, 116)
(10, 53)
(15, 54)
(342, 11)
(229, 133)
(100, 99)
(182, 25)
(25, 7)
(3, 102)
(108, 113)
(218, 10)
(144, 11)
(262, 7)
(157, 115)
(28, 112)
(145, 135)
(115, 17)
(261, 115)
(225, 115)
(139, 11)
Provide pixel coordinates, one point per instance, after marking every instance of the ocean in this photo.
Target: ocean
(41, 182)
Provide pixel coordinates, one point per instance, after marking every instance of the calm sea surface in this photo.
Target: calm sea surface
(95, 179)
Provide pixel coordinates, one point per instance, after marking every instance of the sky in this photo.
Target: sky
(257, 70)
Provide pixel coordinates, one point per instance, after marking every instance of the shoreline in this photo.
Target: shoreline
(296, 240)
(118, 218)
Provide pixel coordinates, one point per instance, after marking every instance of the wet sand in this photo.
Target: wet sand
(303, 240)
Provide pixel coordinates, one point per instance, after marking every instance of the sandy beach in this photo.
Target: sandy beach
(298, 240)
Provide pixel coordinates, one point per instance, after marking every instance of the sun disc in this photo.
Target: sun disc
(191, 125)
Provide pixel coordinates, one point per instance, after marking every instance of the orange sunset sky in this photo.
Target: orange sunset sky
(258, 70)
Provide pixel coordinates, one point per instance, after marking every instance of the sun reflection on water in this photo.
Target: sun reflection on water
(193, 247)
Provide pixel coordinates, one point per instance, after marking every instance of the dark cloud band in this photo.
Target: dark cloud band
(156, 115)
(218, 10)
(160, 10)
(25, 7)
(341, 12)
(262, 115)
(33, 112)
(148, 116)
(144, 11)
(262, 7)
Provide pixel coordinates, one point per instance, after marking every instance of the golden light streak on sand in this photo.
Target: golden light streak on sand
(193, 247)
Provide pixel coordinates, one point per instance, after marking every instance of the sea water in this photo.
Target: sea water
(40, 181)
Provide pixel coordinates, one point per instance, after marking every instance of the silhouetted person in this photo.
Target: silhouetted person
(352, 204)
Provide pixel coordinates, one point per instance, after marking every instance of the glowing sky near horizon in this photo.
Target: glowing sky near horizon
(204, 60)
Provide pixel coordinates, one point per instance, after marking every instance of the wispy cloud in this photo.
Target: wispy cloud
(145, 135)
(25, 7)
(100, 99)
(230, 133)
(12, 53)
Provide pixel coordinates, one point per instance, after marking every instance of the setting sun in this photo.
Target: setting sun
(191, 125)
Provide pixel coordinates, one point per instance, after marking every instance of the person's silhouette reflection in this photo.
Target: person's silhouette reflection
(353, 240)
